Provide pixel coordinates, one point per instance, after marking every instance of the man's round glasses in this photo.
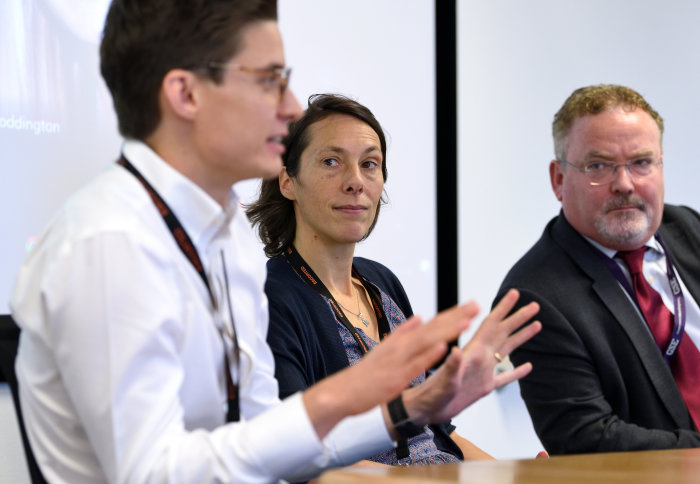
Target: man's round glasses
(603, 172)
(272, 78)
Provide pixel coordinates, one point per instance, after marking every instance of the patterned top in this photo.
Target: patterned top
(421, 447)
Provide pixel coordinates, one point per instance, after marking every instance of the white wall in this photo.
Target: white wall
(518, 61)
(353, 48)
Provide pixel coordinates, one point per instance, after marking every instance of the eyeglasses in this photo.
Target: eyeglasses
(225, 323)
(602, 172)
(272, 78)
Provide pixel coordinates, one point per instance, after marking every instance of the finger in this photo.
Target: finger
(518, 338)
(519, 317)
(425, 359)
(444, 328)
(452, 362)
(448, 324)
(510, 376)
(504, 306)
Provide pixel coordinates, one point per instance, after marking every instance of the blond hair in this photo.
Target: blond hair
(595, 100)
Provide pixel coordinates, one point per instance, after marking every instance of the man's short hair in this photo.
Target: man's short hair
(145, 39)
(595, 100)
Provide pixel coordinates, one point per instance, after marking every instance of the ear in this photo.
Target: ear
(179, 93)
(556, 178)
(286, 185)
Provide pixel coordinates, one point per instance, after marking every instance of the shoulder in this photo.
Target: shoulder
(540, 262)
(681, 215)
(284, 287)
(279, 271)
(110, 213)
(378, 271)
(291, 301)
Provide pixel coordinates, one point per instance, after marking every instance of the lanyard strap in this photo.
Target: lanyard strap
(307, 274)
(312, 280)
(187, 247)
(679, 315)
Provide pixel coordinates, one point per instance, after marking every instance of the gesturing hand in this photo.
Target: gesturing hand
(386, 370)
(468, 373)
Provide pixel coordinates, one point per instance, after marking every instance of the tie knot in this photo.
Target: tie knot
(634, 259)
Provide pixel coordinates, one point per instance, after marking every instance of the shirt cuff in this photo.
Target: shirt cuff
(284, 438)
(358, 437)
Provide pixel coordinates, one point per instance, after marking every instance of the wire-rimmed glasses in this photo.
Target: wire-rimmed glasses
(604, 172)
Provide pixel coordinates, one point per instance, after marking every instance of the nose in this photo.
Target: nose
(622, 180)
(353, 182)
(289, 107)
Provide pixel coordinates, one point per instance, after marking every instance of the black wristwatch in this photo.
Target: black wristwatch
(401, 421)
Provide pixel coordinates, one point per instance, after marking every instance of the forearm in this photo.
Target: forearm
(469, 450)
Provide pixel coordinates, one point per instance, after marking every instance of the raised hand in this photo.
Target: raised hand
(468, 373)
(386, 370)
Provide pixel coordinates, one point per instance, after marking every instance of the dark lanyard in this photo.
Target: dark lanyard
(312, 280)
(679, 315)
(187, 247)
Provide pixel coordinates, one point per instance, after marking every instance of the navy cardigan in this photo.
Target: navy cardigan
(304, 336)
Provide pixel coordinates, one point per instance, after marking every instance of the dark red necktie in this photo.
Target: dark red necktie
(685, 364)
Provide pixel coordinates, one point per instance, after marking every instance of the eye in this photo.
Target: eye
(271, 80)
(641, 163)
(330, 162)
(371, 164)
(596, 167)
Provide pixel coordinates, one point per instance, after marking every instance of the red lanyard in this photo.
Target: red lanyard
(187, 247)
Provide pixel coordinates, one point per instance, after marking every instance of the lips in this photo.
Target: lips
(352, 209)
(278, 143)
(624, 204)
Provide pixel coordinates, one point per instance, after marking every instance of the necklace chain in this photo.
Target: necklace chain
(358, 314)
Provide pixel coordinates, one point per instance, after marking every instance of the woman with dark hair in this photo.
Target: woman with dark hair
(327, 307)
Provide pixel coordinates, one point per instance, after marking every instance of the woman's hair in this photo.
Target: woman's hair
(272, 213)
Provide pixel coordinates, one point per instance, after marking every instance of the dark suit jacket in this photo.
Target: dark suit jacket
(599, 381)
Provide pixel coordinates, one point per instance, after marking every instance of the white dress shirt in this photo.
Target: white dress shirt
(121, 363)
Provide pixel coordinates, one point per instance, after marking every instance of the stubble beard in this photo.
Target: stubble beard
(624, 228)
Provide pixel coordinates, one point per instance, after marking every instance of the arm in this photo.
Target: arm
(124, 370)
(470, 451)
(387, 369)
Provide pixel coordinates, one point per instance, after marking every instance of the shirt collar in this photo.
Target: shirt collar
(200, 215)
(652, 243)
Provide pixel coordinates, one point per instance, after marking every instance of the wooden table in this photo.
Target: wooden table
(643, 467)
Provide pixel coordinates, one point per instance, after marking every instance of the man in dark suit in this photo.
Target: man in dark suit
(615, 367)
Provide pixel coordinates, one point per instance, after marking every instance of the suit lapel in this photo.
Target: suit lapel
(625, 313)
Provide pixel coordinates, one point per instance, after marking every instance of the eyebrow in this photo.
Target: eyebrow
(607, 156)
(273, 66)
(340, 151)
